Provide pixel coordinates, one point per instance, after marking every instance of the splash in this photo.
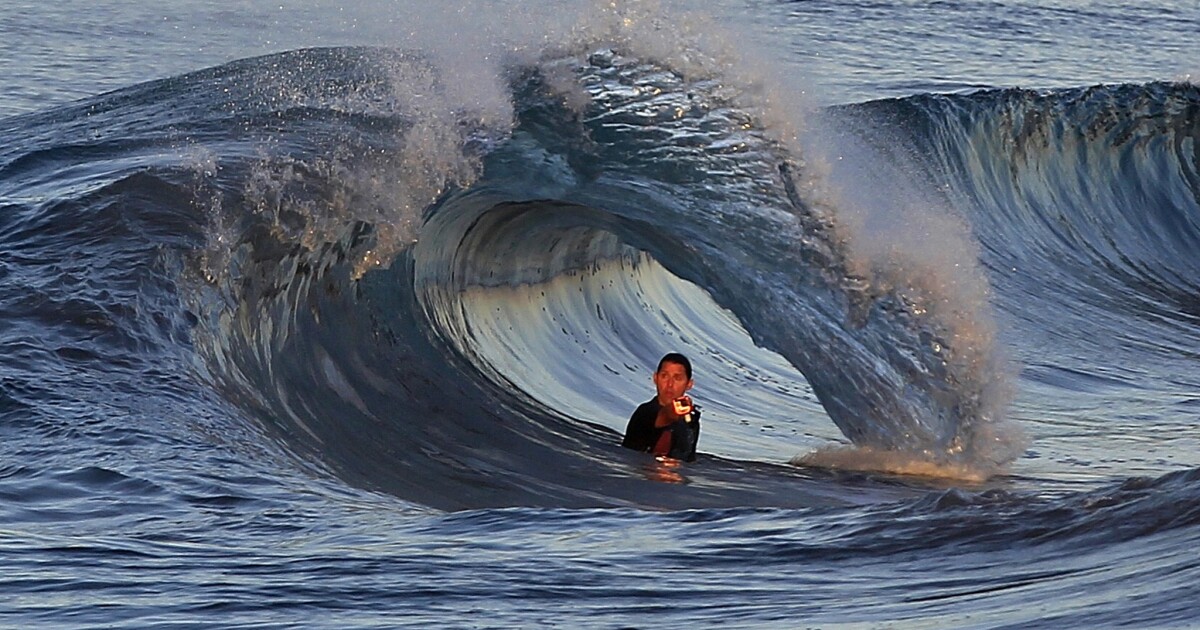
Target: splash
(870, 460)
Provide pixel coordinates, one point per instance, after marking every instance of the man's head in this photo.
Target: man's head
(673, 377)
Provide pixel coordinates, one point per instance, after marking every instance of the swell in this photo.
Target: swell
(1093, 191)
(1087, 205)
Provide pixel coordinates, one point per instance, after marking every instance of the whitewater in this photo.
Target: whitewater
(321, 315)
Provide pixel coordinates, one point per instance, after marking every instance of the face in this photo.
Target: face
(671, 382)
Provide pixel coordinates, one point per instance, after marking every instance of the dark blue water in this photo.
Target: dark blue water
(332, 316)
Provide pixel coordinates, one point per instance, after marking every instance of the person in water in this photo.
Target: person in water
(668, 424)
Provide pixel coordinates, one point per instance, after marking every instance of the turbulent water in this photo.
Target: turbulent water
(324, 316)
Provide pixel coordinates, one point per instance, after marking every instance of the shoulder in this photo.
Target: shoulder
(643, 417)
(650, 408)
(640, 432)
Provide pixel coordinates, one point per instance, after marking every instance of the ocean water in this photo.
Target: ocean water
(321, 315)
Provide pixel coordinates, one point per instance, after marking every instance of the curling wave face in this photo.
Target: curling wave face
(681, 223)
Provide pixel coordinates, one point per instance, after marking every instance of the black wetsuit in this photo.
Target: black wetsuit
(677, 440)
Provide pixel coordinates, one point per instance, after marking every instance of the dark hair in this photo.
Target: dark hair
(675, 357)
